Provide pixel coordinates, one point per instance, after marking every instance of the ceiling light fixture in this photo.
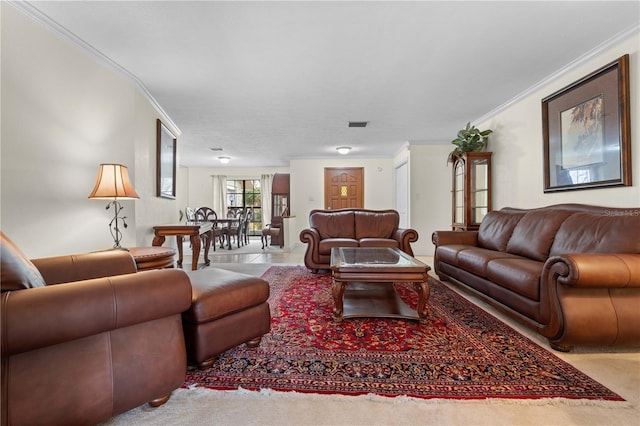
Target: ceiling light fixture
(224, 160)
(344, 150)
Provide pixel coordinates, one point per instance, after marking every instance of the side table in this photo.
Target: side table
(153, 257)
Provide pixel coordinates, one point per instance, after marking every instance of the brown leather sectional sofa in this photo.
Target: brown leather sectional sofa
(352, 228)
(569, 271)
(84, 337)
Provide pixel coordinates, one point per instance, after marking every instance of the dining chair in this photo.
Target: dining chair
(246, 223)
(209, 215)
(273, 229)
(235, 228)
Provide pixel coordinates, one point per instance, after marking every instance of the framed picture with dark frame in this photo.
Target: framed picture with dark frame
(587, 131)
(166, 162)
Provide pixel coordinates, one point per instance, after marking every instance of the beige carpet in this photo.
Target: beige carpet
(200, 406)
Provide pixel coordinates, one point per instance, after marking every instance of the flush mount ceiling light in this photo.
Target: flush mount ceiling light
(224, 160)
(344, 150)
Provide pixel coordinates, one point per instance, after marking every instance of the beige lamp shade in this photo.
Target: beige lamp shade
(113, 183)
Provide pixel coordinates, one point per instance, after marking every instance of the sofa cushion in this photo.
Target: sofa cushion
(534, 233)
(449, 253)
(519, 275)
(325, 246)
(476, 259)
(17, 271)
(596, 233)
(378, 242)
(376, 224)
(496, 229)
(334, 225)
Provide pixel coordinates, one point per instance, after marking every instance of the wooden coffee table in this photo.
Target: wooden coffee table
(363, 279)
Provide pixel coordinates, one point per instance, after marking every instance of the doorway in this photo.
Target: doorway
(343, 187)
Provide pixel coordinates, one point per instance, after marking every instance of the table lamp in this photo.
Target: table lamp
(113, 184)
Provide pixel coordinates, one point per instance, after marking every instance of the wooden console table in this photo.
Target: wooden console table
(195, 231)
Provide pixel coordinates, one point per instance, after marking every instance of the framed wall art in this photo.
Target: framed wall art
(587, 131)
(166, 162)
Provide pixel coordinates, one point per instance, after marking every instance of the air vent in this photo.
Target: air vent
(216, 149)
(358, 123)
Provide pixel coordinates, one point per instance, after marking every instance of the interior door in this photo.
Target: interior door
(343, 187)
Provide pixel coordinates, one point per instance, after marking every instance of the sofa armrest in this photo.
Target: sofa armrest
(310, 235)
(443, 238)
(596, 270)
(404, 237)
(590, 298)
(78, 267)
(40, 317)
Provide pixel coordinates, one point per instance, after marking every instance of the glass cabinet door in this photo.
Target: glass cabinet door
(471, 190)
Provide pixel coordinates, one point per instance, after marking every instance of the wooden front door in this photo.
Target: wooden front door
(343, 188)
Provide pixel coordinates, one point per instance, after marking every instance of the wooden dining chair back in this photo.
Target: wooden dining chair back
(206, 214)
(235, 228)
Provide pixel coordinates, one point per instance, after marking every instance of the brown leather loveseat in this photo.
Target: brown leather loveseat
(85, 337)
(569, 271)
(352, 228)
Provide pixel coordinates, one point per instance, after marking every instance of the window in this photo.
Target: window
(243, 194)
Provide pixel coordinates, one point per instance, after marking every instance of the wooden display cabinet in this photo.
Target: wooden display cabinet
(471, 190)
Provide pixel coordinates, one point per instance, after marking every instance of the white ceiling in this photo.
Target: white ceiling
(272, 81)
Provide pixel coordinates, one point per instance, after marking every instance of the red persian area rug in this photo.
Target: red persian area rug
(460, 352)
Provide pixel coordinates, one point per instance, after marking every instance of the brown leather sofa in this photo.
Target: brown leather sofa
(84, 337)
(569, 271)
(352, 228)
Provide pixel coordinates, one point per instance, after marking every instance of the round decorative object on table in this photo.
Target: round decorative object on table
(153, 257)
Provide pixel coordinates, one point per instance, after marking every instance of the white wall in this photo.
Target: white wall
(307, 185)
(64, 113)
(430, 197)
(150, 209)
(517, 142)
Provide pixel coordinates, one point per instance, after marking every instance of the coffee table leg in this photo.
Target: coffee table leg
(423, 291)
(337, 290)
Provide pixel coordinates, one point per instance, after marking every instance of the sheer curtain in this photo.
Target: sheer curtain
(265, 189)
(220, 195)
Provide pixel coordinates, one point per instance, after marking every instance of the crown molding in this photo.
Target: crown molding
(631, 31)
(49, 24)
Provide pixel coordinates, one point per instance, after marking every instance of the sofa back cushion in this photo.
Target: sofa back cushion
(496, 228)
(376, 224)
(16, 270)
(598, 233)
(333, 224)
(533, 235)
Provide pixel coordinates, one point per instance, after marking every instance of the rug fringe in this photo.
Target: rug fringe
(403, 399)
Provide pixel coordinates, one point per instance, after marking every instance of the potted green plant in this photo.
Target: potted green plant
(470, 139)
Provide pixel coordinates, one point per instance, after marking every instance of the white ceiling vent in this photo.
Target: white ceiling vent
(358, 123)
